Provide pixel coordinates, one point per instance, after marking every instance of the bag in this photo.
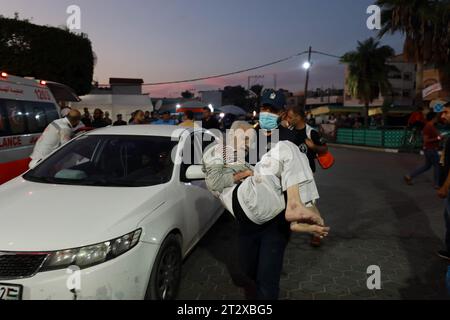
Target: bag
(326, 160)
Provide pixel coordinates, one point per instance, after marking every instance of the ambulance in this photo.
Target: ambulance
(27, 106)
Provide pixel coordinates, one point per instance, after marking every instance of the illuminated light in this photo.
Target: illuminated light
(306, 65)
(43, 82)
(4, 75)
(210, 106)
(222, 115)
(178, 106)
(254, 113)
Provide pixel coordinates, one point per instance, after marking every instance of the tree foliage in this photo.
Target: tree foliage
(46, 53)
(426, 27)
(369, 71)
(235, 95)
(187, 94)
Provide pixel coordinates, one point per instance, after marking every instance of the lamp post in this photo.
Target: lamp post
(307, 67)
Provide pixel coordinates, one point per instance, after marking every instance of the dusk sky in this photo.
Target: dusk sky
(168, 40)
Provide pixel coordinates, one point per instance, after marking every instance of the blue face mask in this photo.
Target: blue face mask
(268, 121)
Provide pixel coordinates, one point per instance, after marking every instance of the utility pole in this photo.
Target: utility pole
(275, 82)
(307, 75)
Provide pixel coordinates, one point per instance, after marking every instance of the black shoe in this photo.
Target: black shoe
(444, 254)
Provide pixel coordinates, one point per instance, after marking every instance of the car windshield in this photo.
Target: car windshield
(110, 161)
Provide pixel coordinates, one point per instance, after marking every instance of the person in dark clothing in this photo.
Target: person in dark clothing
(309, 140)
(119, 121)
(147, 117)
(443, 192)
(431, 141)
(261, 248)
(107, 119)
(209, 121)
(86, 119)
(99, 121)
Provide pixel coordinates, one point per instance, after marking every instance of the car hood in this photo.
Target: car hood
(46, 217)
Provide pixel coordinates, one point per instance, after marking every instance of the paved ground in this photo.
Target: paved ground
(375, 220)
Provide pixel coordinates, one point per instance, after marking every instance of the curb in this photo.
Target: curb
(348, 146)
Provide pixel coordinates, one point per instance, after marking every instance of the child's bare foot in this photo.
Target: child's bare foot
(316, 230)
(297, 212)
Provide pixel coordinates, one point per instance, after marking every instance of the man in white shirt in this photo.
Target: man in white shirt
(55, 135)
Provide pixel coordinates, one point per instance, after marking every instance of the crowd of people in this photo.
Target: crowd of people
(436, 151)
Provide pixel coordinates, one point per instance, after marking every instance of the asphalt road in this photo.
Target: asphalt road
(375, 219)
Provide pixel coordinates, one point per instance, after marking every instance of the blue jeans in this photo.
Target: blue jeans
(447, 222)
(431, 160)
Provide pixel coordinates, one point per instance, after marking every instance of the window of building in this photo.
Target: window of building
(407, 76)
(395, 75)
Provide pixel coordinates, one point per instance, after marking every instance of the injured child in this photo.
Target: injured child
(257, 194)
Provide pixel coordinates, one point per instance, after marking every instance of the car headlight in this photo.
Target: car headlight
(89, 256)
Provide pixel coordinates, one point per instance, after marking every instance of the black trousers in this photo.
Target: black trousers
(261, 250)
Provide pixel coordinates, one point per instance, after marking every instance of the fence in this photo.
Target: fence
(382, 138)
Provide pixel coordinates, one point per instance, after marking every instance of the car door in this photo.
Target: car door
(200, 205)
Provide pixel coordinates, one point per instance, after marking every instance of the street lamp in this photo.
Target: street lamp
(307, 67)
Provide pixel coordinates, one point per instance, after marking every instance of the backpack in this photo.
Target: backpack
(326, 160)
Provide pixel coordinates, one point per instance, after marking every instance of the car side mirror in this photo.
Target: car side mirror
(195, 172)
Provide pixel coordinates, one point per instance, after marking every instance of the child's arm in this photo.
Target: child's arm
(217, 179)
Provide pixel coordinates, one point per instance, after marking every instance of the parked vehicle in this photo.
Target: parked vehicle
(113, 203)
(26, 108)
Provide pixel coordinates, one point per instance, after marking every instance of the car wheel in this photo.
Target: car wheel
(166, 274)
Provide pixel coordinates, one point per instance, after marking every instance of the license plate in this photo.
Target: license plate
(10, 291)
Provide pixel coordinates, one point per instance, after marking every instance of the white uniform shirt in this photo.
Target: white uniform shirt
(55, 135)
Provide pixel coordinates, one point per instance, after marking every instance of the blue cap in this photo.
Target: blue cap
(274, 99)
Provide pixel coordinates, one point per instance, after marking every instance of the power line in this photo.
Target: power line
(228, 74)
(239, 71)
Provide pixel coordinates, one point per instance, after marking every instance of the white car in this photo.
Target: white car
(109, 215)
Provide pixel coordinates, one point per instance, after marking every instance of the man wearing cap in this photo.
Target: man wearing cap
(262, 248)
(165, 120)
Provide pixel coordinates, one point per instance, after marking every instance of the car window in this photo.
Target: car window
(123, 161)
(4, 130)
(36, 117)
(16, 117)
(51, 112)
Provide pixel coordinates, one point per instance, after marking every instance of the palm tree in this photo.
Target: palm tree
(425, 25)
(368, 72)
